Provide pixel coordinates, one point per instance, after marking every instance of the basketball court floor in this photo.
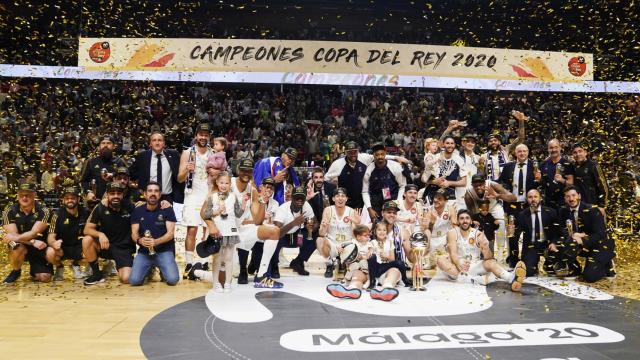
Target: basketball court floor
(550, 319)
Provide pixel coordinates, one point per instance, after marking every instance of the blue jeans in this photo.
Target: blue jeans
(142, 263)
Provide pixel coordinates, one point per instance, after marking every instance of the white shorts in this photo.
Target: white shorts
(249, 236)
(497, 212)
(437, 244)
(177, 210)
(191, 215)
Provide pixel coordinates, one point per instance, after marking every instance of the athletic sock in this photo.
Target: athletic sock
(267, 253)
(95, 267)
(204, 275)
(507, 276)
(243, 256)
(188, 256)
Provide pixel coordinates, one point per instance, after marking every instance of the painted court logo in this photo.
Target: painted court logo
(99, 52)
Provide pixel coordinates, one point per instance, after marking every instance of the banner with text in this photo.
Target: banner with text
(230, 55)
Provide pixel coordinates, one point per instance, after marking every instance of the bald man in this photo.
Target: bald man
(557, 172)
(518, 177)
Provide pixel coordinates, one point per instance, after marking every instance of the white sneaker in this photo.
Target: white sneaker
(59, 275)
(218, 288)
(77, 272)
(227, 288)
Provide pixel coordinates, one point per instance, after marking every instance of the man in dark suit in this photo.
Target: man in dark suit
(160, 165)
(585, 235)
(539, 227)
(518, 177)
(319, 192)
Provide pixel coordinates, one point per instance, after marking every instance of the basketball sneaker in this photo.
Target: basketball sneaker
(266, 282)
(339, 291)
(520, 273)
(386, 294)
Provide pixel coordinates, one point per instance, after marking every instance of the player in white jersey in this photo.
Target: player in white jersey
(193, 173)
(410, 213)
(469, 254)
(442, 218)
(336, 228)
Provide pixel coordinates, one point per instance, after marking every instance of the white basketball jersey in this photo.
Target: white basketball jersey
(468, 246)
(340, 226)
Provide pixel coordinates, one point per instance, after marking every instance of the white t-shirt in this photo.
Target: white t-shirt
(284, 215)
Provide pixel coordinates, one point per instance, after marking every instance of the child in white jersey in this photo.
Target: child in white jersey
(220, 213)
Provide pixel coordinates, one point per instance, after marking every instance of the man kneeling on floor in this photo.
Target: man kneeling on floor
(469, 256)
(108, 235)
(152, 229)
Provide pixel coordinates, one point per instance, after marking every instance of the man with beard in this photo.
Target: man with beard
(280, 169)
(193, 173)
(589, 178)
(482, 188)
(557, 173)
(25, 227)
(539, 225)
(296, 220)
(241, 187)
(319, 193)
(108, 235)
(348, 172)
(497, 155)
(336, 228)
(469, 255)
(383, 181)
(449, 175)
(585, 235)
(65, 234)
(411, 213)
(518, 177)
(152, 229)
(442, 218)
(98, 171)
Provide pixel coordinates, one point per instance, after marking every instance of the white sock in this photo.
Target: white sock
(204, 275)
(507, 276)
(267, 252)
(188, 256)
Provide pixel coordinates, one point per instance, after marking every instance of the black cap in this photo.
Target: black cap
(377, 147)
(299, 191)
(579, 145)
(351, 145)
(292, 153)
(27, 186)
(477, 178)
(122, 170)
(441, 192)
(340, 190)
(269, 181)
(208, 247)
(73, 190)
(203, 127)
(495, 134)
(390, 205)
(410, 187)
(107, 138)
(469, 136)
(246, 164)
(115, 185)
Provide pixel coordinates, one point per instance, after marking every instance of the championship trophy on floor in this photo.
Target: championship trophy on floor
(419, 248)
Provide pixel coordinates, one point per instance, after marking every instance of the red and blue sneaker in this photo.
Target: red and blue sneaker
(339, 291)
(386, 294)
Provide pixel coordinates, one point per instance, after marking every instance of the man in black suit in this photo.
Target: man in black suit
(319, 193)
(160, 165)
(518, 177)
(585, 235)
(539, 226)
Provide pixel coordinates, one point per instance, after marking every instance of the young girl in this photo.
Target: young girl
(383, 264)
(357, 274)
(220, 213)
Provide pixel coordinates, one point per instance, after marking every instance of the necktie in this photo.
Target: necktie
(521, 180)
(536, 228)
(574, 219)
(159, 170)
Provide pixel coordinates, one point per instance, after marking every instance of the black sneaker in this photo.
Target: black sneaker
(12, 277)
(185, 273)
(611, 274)
(191, 275)
(94, 279)
(275, 273)
(298, 267)
(205, 266)
(265, 282)
(329, 272)
(243, 277)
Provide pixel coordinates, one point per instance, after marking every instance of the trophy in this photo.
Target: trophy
(419, 246)
(511, 226)
(222, 198)
(189, 182)
(147, 234)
